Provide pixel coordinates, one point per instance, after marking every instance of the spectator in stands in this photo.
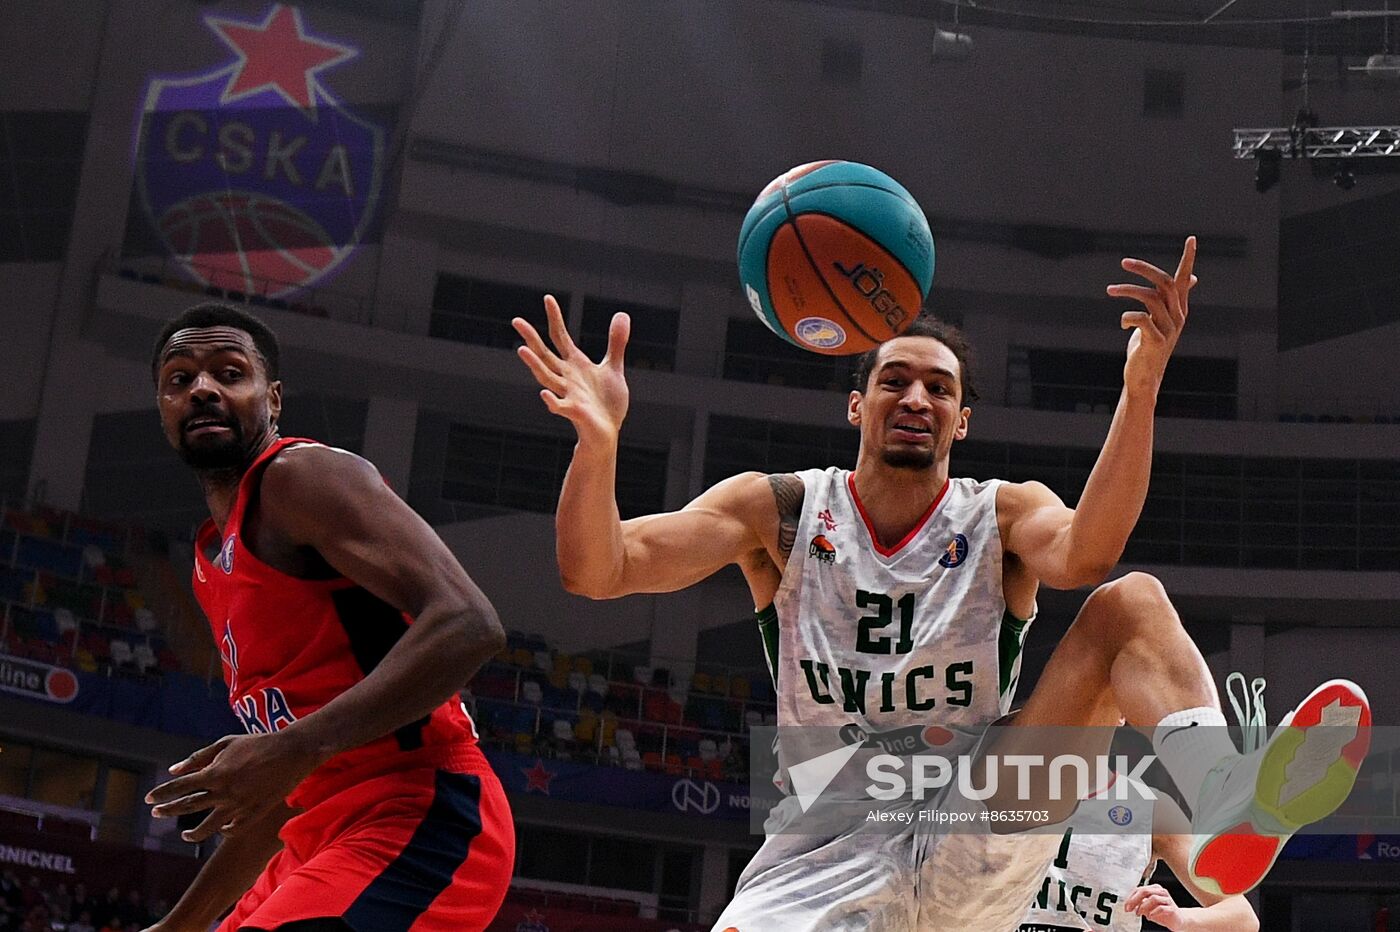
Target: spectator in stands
(84, 901)
(112, 925)
(110, 912)
(11, 892)
(61, 903)
(83, 923)
(133, 910)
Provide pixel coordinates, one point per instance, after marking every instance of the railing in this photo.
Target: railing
(779, 364)
(1100, 399)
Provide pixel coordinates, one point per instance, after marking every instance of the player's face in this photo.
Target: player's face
(216, 405)
(911, 410)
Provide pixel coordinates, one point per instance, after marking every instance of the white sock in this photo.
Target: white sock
(1189, 743)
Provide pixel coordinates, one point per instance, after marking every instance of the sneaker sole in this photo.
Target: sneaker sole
(1324, 763)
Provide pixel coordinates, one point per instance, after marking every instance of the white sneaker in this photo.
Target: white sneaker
(1250, 804)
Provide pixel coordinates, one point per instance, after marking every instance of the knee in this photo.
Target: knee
(1129, 602)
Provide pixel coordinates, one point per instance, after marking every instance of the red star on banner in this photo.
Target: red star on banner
(537, 777)
(277, 54)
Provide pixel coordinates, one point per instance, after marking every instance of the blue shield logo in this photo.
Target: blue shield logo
(253, 175)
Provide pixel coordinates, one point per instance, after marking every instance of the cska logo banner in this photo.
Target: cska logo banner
(255, 177)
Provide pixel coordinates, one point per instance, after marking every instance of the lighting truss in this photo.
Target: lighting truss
(1320, 142)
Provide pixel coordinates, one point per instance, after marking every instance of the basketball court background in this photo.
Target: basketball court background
(388, 182)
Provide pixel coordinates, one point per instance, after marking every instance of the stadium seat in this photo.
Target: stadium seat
(739, 687)
(144, 657)
(708, 749)
(532, 692)
(145, 620)
(631, 760)
(583, 665)
(651, 760)
(120, 652)
(700, 683)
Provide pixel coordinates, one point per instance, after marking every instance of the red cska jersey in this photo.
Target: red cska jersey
(291, 645)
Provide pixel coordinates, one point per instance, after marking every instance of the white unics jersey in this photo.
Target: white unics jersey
(908, 638)
(1103, 858)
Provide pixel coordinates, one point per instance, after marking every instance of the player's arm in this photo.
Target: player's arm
(666, 552)
(226, 876)
(1172, 844)
(337, 503)
(600, 555)
(1066, 548)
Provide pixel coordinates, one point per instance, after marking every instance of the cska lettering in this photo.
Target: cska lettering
(917, 690)
(236, 149)
(264, 712)
(870, 283)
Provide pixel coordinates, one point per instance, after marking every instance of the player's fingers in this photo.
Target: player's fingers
(1141, 320)
(201, 758)
(1139, 293)
(542, 373)
(1188, 261)
(178, 788)
(184, 805)
(558, 333)
(208, 828)
(536, 343)
(1148, 271)
(553, 403)
(619, 330)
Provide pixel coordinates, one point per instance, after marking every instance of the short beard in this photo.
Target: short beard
(227, 455)
(908, 458)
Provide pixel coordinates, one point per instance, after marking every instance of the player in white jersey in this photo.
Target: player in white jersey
(903, 596)
(1098, 879)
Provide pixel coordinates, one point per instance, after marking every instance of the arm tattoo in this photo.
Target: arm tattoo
(788, 493)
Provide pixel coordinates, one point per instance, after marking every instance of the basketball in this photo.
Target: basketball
(251, 243)
(835, 257)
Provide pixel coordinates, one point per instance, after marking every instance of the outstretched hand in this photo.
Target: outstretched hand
(592, 396)
(1157, 328)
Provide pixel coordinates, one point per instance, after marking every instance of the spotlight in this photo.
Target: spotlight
(1266, 169)
(1345, 178)
(951, 46)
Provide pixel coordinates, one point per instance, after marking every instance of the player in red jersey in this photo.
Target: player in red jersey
(359, 799)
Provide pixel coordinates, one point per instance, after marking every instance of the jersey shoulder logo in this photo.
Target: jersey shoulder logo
(822, 549)
(955, 553)
(224, 560)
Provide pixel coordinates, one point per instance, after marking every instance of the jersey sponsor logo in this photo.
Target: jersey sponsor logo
(823, 550)
(1120, 815)
(955, 553)
(224, 560)
(898, 740)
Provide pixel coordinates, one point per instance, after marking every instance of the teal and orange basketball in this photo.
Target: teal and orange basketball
(835, 257)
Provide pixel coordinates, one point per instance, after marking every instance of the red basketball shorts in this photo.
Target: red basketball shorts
(418, 851)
